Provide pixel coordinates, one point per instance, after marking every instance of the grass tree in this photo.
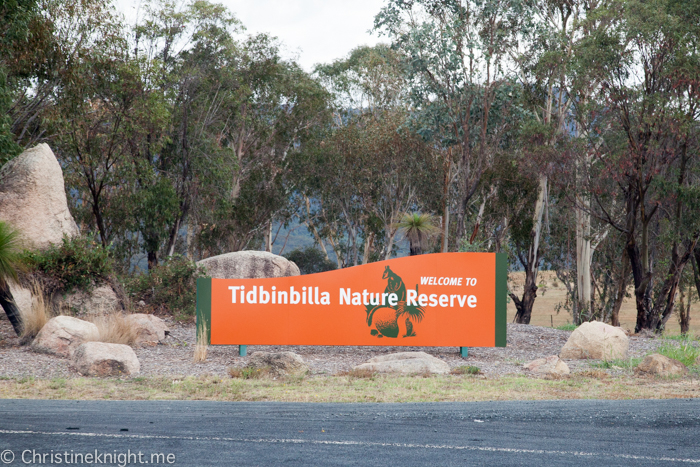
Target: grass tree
(9, 264)
(420, 229)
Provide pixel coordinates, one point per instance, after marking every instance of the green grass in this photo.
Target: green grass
(567, 327)
(685, 351)
(466, 370)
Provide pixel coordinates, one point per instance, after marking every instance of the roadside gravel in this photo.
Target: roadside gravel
(175, 357)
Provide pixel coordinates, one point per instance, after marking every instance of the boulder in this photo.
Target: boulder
(406, 363)
(23, 298)
(149, 328)
(549, 366)
(102, 359)
(33, 198)
(278, 363)
(63, 334)
(596, 340)
(660, 365)
(248, 265)
(99, 301)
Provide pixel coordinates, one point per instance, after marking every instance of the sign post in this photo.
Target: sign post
(441, 299)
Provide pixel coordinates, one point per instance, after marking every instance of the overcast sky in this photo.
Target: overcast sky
(312, 31)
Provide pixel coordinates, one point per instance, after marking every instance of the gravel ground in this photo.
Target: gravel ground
(175, 356)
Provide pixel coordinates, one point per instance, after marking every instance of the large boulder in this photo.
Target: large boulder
(102, 359)
(100, 300)
(660, 365)
(549, 366)
(248, 265)
(150, 329)
(278, 363)
(596, 340)
(33, 198)
(406, 363)
(63, 334)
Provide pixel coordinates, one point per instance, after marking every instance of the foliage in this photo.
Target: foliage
(10, 252)
(567, 327)
(420, 229)
(170, 287)
(310, 260)
(78, 262)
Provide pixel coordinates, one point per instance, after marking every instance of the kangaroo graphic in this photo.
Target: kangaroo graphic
(389, 321)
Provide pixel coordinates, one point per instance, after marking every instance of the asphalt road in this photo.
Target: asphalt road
(559, 433)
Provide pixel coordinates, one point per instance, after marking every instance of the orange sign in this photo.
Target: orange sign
(442, 299)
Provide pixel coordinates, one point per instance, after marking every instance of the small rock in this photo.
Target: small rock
(660, 365)
(141, 303)
(63, 334)
(278, 363)
(406, 363)
(102, 359)
(596, 340)
(149, 328)
(551, 365)
(248, 265)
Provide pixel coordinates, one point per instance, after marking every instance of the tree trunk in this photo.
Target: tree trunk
(524, 306)
(368, 248)
(152, 260)
(621, 290)
(584, 256)
(268, 237)
(684, 312)
(7, 301)
(446, 206)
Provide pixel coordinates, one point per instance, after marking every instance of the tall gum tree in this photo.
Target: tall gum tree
(651, 91)
(454, 55)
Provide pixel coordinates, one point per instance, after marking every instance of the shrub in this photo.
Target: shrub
(248, 373)
(310, 260)
(169, 288)
(77, 263)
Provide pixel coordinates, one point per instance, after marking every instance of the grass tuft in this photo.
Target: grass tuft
(37, 316)
(201, 347)
(466, 370)
(115, 328)
(567, 327)
(359, 373)
(248, 373)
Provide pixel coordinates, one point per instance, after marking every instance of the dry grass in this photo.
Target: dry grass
(249, 373)
(115, 328)
(360, 373)
(201, 347)
(381, 388)
(37, 316)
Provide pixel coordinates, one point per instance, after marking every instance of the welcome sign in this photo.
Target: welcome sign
(442, 299)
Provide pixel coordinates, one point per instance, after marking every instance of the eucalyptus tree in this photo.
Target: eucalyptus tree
(454, 55)
(650, 87)
(381, 167)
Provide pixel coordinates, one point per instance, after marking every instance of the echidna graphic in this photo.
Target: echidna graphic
(397, 320)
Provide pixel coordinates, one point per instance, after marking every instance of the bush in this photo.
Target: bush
(310, 260)
(77, 263)
(169, 288)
